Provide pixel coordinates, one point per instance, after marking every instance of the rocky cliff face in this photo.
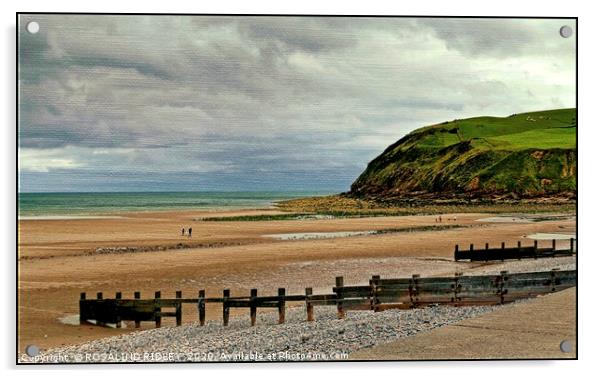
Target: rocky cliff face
(524, 155)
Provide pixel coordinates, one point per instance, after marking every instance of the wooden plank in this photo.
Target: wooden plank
(530, 283)
(441, 289)
(239, 303)
(391, 281)
(322, 297)
(137, 313)
(529, 291)
(380, 290)
(329, 302)
(125, 303)
(437, 280)
(484, 302)
(167, 314)
(478, 298)
(393, 287)
(353, 291)
(393, 299)
(426, 297)
(566, 274)
(268, 304)
(214, 300)
(529, 275)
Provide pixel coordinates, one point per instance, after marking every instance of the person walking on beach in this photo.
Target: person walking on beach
(183, 231)
(190, 232)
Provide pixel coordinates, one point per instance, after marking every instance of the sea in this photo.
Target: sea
(66, 205)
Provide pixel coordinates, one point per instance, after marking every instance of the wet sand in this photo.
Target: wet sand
(57, 259)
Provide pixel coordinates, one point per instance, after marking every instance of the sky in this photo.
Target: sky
(208, 103)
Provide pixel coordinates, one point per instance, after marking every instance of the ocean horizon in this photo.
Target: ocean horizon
(62, 204)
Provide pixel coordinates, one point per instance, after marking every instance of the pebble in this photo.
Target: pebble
(327, 338)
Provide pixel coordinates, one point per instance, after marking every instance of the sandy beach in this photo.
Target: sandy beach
(59, 258)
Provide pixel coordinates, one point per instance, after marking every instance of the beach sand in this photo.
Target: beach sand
(58, 259)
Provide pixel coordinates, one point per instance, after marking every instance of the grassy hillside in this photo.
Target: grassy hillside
(523, 155)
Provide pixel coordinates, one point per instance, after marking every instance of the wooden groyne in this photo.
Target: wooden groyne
(380, 294)
(513, 253)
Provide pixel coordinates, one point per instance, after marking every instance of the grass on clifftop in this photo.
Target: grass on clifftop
(522, 156)
(546, 129)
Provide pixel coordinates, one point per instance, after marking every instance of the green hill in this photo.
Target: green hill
(523, 155)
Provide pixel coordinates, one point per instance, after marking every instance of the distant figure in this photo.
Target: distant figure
(455, 219)
(440, 220)
(190, 232)
(183, 231)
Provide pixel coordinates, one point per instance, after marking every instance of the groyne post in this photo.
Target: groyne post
(226, 307)
(308, 305)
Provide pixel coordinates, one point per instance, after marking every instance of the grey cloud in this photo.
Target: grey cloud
(232, 96)
(313, 35)
(500, 37)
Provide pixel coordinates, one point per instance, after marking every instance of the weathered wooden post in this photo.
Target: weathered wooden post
(98, 322)
(137, 296)
(373, 294)
(553, 279)
(486, 246)
(501, 285)
(226, 307)
(309, 306)
(414, 290)
(535, 249)
(339, 283)
(572, 245)
(157, 309)
(554, 244)
(471, 247)
(281, 305)
(201, 307)
(457, 287)
(118, 322)
(82, 315)
(178, 308)
(456, 250)
(253, 306)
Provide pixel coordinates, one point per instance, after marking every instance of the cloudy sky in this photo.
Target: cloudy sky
(120, 103)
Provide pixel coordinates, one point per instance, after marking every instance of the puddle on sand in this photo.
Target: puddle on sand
(74, 320)
(545, 236)
(319, 235)
(505, 220)
(526, 218)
